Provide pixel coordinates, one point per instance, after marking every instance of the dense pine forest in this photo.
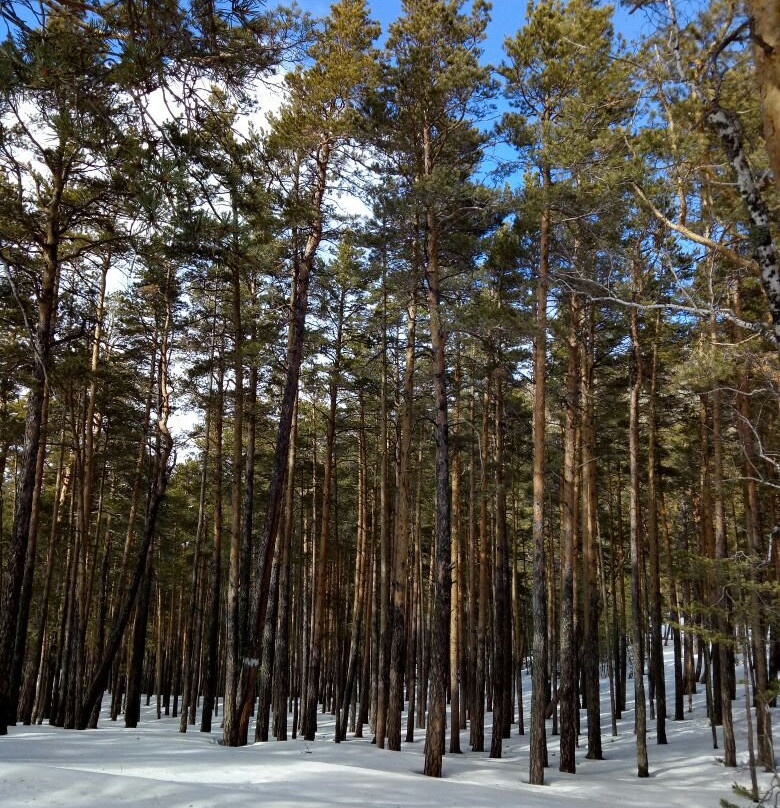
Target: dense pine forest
(348, 371)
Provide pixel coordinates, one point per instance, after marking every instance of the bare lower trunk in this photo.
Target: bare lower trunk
(236, 718)
(538, 757)
(636, 601)
(457, 580)
(440, 618)
(281, 681)
(478, 714)
(590, 552)
(724, 694)
(137, 649)
(240, 534)
(502, 606)
(309, 726)
(212, 621)
(400, 572)
(362, 569)
(25, 488)
(568, 684)
(653, 483)
(382, 690)
(159, 484)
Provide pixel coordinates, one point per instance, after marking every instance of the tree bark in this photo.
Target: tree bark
(25, 487)
(502, 606)
(137, 650)
(765, 33)
(538, 756)
(382, 691)
(568, 684)
(591, 549)
(478, 715)
(729, 130)
(282, 650)
(362, 569)
(402, 523)
(440, 620)
(456, 616)
(321, 568)
(240, 534)
(653, 484)
(160, 477)
(635, 526)
(215, 601)
(724, 694)
(236, 718)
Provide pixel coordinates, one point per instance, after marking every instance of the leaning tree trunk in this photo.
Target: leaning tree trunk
(237, 715)
(159, 484)
(25, 599)
(34, 675)
(137, 652)
(11, 591)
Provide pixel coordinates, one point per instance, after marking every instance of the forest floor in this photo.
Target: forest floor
(155, 765)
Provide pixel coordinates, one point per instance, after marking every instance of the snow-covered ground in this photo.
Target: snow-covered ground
(155, 765)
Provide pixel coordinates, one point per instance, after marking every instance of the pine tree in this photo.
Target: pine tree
(313, 129)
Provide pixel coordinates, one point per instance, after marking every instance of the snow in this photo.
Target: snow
(155, 765)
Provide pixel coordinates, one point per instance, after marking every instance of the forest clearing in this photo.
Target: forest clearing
(367, 372)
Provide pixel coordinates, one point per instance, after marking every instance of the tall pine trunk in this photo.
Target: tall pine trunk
(538, 756)
(640, 719)
(10, 594)
(440, 618)
(568, 683)
(400, 572)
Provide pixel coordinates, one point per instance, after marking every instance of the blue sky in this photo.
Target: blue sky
(506, 17)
